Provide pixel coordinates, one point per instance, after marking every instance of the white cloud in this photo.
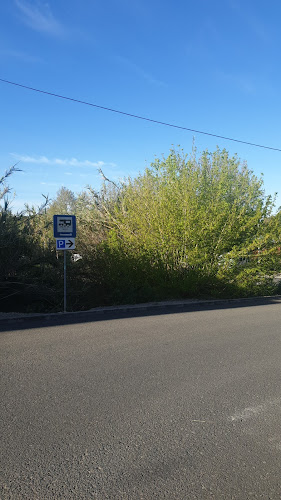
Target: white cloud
(53, 184)
(38, 16)
(64, 162)
(139, 71)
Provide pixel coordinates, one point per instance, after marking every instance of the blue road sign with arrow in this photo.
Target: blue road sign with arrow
(65, 243)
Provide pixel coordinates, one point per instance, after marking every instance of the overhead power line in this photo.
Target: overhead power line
(138, 116)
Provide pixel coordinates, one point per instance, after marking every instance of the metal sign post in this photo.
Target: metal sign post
(65, 233)
(64, 281)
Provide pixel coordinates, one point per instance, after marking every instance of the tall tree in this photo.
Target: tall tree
(64, 202)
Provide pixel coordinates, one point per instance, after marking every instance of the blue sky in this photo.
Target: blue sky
(212, 66)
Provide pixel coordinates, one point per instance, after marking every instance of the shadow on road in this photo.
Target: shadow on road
(107, 314)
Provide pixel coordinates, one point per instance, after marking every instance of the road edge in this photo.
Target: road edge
(8, 318)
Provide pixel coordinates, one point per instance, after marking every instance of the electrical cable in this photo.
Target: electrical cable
(138, 116)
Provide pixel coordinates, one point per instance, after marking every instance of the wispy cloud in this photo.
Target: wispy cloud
(139, 71)
(59, 184)
(53, 184)
(18, 54)
(136, 7)
(250, 17)
(241, 82)
(38, 16)
(64, 162)
(259, 28)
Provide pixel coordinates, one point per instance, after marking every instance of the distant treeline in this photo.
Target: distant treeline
(190, 226)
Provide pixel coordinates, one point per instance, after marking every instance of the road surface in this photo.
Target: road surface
(168, 406)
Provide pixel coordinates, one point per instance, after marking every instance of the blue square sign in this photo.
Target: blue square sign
(64, 226)
(60, 244)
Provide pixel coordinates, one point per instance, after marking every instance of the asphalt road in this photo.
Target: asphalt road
(168, 406)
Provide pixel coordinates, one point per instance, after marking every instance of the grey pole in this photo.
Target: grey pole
(64, 283)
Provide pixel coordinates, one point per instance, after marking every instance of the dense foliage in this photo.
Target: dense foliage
(189, 226)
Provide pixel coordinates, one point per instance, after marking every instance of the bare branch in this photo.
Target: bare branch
(9, 172)
(106, 179)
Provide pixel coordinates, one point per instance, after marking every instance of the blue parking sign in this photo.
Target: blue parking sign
(60, 244)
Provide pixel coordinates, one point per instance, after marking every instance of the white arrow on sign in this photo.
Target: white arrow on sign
(65, 243)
